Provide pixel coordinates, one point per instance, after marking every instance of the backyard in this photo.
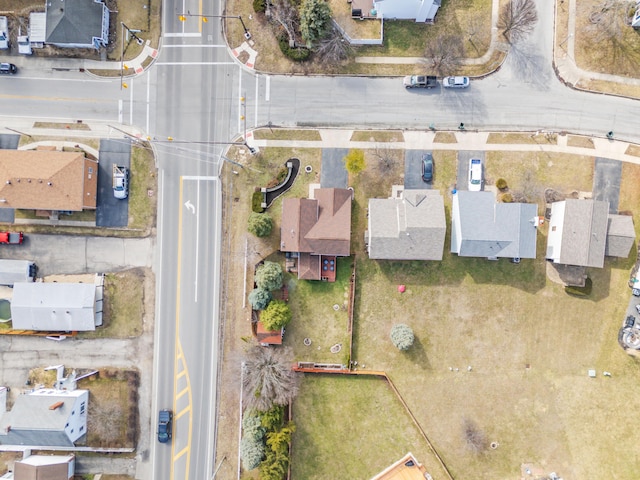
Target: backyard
(497, 344)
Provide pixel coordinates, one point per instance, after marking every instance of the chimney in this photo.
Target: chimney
(56, 405)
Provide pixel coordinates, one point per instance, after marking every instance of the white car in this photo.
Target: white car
(475, 175)
(455, 82)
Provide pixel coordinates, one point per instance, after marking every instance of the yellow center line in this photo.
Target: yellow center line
(180, 365)
(182, 392)
(200, 18)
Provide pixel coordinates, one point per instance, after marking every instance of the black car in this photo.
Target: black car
(8, 68)
(629, 321)
(427, 167)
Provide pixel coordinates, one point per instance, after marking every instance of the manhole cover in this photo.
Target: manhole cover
(336, 348)
(307, 341)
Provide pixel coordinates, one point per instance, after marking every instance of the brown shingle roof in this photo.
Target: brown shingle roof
(308, 267)
(45, 180)
(298, 216)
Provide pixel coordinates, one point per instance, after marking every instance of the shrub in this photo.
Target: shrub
(354, 161)
(269, 276)
(251, 452)
(256, 202)
(260, 224)
(276, 316)
(506, 198)
(259, 298)
(402, 336)
(315, 20)
(501, 184)
(297, 54)
(252, 427)
(259, 6)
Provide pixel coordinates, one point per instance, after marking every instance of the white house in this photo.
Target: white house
(46, 417)
(421, 10)
(481, 227)
(583, 232)
(55, 307)
(635, 21)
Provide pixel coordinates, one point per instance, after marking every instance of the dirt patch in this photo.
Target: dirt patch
(377, 136)
(7, 459)
(535, 138)
(633, 150)
(445, 137)
(68, 126)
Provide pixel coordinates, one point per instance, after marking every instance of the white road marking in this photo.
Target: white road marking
(194, 46)
(183, 34)
(267, 93)
(194, 63)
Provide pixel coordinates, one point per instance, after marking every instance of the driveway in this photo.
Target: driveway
(464, 156)
(333, 174)
(606, 182)
(413, 170)
(110, 211)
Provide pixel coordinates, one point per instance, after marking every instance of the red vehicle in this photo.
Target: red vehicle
(12, 238)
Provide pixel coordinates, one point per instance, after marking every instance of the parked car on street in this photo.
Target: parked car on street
(8, 69)
(165, 418)
(420, 81)
(427, 167)
(636, 292)
(638, 308)
(455, 82)
(475, 175)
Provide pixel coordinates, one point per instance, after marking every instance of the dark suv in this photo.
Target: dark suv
(165, 418)
(8, 68)
(629, 321)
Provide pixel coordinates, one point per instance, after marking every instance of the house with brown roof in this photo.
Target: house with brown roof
(315, 231)
(47, 180)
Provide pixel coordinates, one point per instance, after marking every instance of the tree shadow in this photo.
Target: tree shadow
(417, 354)
(529, 66)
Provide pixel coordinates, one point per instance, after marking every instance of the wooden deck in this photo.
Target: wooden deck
(328, 268)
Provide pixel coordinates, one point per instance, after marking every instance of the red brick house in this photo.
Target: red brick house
(315, 231)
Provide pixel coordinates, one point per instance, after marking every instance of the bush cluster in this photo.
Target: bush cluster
(501, 184)
(402, 336)
(256, 202)
(297, 54)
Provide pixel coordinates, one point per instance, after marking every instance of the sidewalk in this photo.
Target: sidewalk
(466, 140)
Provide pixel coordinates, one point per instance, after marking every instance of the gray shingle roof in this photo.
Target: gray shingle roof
(483, 228)
(74, 22)
(620, 236)
(409, 228)
(582, 226)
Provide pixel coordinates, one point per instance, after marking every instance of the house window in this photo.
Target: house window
(82, 428)
(553, 229)
(82, 408)
(90, 170)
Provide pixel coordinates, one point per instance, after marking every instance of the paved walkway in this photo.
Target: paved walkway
(467, 140)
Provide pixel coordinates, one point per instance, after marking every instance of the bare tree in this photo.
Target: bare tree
(286, 14)
(475, 438)
(444, 53)
(609, 20)
(333, 48)
(268, 379)
(517, 19)
(478, 34)
(385, 157)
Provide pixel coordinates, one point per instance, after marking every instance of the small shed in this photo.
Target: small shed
(37, 29)
(620, 236)
(269, 337)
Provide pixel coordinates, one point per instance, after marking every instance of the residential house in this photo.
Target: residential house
(407, 468)
(55, 307)
(420, 10)
(481, 227)
(582, 232)
(46, 418)
(77, 23)
(45, 467)
(47, 180)
(410, 225)
(268, 337)
(315, 231)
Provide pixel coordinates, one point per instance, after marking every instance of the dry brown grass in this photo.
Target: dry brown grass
(355, 28)
(633, 150)
(377, 136)
(580, 141)
(7, 460)
(523, 138)
(68, 126)
(286, 134)
(124, 304)
(445, 137)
